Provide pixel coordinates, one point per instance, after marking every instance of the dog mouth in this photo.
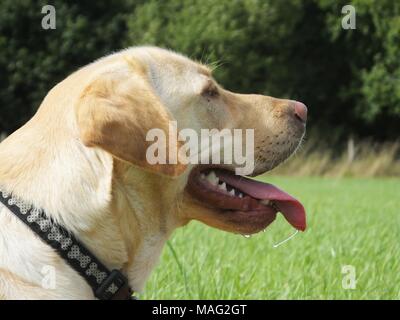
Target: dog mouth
(250, 205)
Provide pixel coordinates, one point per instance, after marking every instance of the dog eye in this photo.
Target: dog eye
(210, 92)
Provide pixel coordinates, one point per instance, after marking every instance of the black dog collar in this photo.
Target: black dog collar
(106, 285)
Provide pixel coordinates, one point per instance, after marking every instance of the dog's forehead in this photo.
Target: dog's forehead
(171, 62)
(173, 74)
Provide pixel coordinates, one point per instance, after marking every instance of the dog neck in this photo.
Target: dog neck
(99, 199)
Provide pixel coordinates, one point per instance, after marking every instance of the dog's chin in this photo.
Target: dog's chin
(237, 204)
(235, 221)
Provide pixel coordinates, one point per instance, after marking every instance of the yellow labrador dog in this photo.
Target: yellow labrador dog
(82, 159)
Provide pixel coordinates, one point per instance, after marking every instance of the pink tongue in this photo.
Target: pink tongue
(292, 209)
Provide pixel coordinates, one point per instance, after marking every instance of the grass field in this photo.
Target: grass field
(350, 222)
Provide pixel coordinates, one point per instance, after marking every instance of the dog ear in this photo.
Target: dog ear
(115, 112)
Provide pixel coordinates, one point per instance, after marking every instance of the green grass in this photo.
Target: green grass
(350, 222)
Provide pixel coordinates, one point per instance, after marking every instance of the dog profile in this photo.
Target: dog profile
(82, 159)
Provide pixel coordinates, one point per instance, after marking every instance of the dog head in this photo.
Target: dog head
(142, 89)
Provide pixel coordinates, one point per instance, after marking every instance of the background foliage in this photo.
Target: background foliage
(350, 79)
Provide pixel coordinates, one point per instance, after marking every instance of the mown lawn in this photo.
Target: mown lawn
(352, 222)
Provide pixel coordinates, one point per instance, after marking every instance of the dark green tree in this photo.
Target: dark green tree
(33, 60)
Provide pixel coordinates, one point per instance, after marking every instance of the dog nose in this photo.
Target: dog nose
(300, 111)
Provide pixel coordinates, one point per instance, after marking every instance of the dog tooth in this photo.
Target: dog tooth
(212, 178)
(202, 176)
(240, 195)
(232, 192)
(265, 202)
(222, 186)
